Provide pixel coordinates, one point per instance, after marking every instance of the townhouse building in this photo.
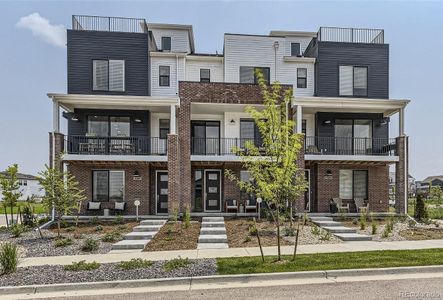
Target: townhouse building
(152, 121)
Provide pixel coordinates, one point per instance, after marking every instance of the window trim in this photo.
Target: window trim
(268, 80)
(305, 78)
(353, 182)
(109, 183)
(206, 80)
(108, 117)
(299, 49)
(164, 76)
(109, 76)
(170, 43)
(353, 73)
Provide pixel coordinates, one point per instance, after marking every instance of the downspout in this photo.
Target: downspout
(176, 74)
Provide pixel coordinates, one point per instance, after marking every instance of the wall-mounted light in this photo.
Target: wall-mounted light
(384, 121)
(74, 118)
(328, 173)
(327, 122)
(136, 174)
(137, 120)
(232, 122)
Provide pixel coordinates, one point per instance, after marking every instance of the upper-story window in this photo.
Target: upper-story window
(302, 76)
(247, 74)
(166, 43)
(108, 75)
(205, 75)
(249, 132)
(164, 128)
(23, 182)
(164, 74)
(109, 126)
(295, 49)
(353, 81)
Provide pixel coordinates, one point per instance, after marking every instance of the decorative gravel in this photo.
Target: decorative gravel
(106, 272)
(306, 237)
(32, 245)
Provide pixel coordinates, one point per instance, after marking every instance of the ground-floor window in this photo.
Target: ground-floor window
(108, 185)
(353, 184)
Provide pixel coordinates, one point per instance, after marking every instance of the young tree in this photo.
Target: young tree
(421, 212)
(276, 176)
(10, 190)
(436, 194)
(62, 192)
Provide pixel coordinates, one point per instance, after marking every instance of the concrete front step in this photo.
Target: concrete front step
(130, 244)
(147, 228)
(213, 219)
(315, 219)
(213, 230)
(152, 222)
(340, 229)
(213, 238)
(353, 237)
(212, 246)
(139, 235)
(327, 223)
(213, 224)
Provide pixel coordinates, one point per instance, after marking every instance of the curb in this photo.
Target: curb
(216, 279)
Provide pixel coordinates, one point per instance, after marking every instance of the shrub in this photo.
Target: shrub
(411, 223)
(175, 215)
(90, 245)
(9, 258)
(64, 224)
(420, 209)
(63, 242)
(122, 227)
(247, 239)
(28, 215)
(43, 220)
(252, 230)
(374, 228)
(289, 231)
(70, 229)
(386, 232)
(362, 221)
(98, 228)
(135, 263)
(305, 219)
(326, 236)
(355, 221)
(187, 218)
(176, 263)
(112, 237)
(82, 266)
(17, 230)
(390, 224)
(95, 221)
(119, 220)
(315, 230)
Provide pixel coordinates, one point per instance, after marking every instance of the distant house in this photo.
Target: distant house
(29, 186)
(423, 186)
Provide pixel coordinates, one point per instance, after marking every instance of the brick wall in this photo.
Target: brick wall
(327, 187)
(300, 202)
(401, 171)
(134, 189)
(59, 147)
(174, 186)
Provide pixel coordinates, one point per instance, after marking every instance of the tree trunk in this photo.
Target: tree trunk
(6, 216)
(278, 235)
(296, 240)
(58, 226)
(12, 214)
(259, 242)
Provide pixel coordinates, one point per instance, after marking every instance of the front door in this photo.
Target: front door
(212, 190)
(162, 192)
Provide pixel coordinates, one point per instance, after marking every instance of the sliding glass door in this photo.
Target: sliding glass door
(205, 137)
(353, 136)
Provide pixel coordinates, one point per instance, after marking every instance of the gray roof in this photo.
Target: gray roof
(21, 176)
(432, 178)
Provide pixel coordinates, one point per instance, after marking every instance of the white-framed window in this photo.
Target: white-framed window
(108, 185)
(353, 184)
(166, 43)
(353, 81)
(247, 74)
(108, 75)
(164, 76)
(205, 75)
(302, 78)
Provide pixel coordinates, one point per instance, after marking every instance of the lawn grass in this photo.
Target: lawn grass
(38, 208)
(331, 261)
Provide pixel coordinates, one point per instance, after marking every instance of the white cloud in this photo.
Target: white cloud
(41, 28)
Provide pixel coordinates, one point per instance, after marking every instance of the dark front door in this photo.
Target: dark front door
(162, 192)
(212, 190)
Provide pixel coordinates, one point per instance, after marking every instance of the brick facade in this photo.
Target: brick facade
(174, 174)
(401, 177)
(58, 149)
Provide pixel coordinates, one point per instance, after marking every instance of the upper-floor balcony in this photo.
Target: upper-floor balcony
(109, 24)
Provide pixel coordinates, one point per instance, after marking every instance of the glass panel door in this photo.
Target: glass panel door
(362, 136)
(205, 137)
(343, 137)
(212, 190)
(162, 192)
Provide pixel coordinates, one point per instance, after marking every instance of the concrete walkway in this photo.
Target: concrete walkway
(234, 252)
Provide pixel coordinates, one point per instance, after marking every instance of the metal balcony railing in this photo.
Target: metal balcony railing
(351, 35)
(133, 145)
(111, 24)
(315, 145)
(220, 146)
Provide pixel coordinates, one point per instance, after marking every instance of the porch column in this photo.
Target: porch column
(299, 119)
(55, 116)
(172, 120)
(173, 173)
(401, 122)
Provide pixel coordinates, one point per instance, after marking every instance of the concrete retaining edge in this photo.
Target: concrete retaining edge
(240, 278)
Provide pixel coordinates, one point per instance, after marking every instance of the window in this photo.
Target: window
(353, 136)
(164, 76)
(23, 182)
(109, 126)
(163, 128)
(108, 185)
(205, 75)
(98, 125)
(353, 184)
(302, 75)
(205, 137)
(249, 132)
(120, 126)
(295, 49)
(166, 43)
(247, 74)
(245, 176)
(353, 81)
(108, 75)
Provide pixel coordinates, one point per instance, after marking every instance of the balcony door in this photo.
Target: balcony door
(205, 137)
(353, 137)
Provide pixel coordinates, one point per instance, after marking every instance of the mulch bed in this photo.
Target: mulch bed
(88, 228)
(50, 274)
(173, 236)
(416, 234)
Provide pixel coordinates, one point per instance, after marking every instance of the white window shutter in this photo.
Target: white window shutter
(345, 78)
(100, 75)
(117, 75)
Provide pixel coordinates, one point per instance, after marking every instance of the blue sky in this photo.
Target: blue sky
(31, 66)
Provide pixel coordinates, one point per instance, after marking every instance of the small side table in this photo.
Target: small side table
(242, 208)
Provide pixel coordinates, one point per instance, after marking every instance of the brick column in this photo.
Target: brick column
(401, 175)
(300, 202)
(184, 125)
(58, 149)
(173, 173)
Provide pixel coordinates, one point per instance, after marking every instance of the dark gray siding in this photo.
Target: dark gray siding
(80, 127)
(84, 46)
(329, 55)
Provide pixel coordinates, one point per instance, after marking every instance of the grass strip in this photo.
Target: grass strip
(331, 261)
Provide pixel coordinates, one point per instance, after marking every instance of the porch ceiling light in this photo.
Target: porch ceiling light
(384, 121)
(74, 118)
(232, 122)
(137, 120)
(327, 122)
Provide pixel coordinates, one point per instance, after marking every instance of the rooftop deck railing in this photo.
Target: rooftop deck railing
(351, 35)
(111, 24)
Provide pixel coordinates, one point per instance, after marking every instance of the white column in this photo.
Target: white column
(299, 119)
(55, 116)
(172, 120)
(401, 122)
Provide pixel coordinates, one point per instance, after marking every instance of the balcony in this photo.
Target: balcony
(220, 146)
(109, 24)
(133, 145)
(315, 145)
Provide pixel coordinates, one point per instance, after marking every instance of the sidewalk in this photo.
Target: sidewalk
(233, 252)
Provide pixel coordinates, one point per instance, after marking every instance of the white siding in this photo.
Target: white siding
(304, 42)
(179, 39)
(171, 90)
(31, 188)
(155, 117)
(193, 69)
(258, 51)
(233, 130)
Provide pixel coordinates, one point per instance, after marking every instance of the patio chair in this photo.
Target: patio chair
(312, 149)
(340, 205)
(119, 207)
(361, 205)
(94, 206)
(251, 204)
(231, 204)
